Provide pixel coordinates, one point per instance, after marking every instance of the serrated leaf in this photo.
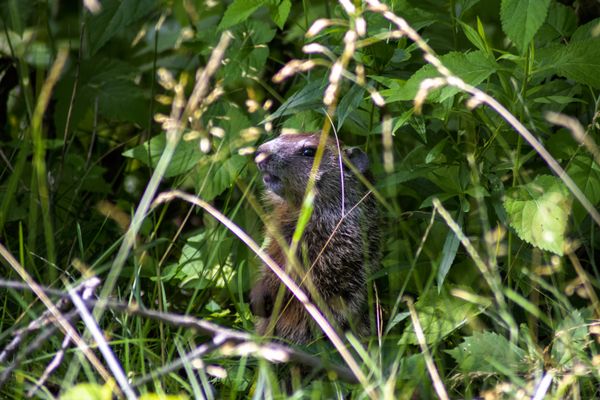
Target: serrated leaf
(521, 19)
(560, 23)
(538, 212)
(586, 31)
(473, 68)
(186, 156)
(579, 61)
(570, 340)
(482, 352)
(439, 315)
(239, 11)
(586, 174)
(203, 262)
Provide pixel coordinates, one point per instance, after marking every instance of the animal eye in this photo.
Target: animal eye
(309, 151)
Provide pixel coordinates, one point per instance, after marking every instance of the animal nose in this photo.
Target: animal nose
(261, 158)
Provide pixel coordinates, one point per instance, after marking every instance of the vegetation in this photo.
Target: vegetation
(481, 120)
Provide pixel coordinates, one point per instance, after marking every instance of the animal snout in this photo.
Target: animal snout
(261, 158)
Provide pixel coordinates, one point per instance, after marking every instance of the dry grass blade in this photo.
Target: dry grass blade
(65, 326)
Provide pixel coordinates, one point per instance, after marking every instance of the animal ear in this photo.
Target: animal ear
(358, 158)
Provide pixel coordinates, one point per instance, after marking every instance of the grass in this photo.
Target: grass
(467, 302)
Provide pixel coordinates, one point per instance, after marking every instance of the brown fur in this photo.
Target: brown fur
(339, 274)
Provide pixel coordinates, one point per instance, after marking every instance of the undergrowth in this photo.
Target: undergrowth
(127, 130)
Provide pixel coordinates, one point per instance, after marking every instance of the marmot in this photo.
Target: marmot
(340, 272)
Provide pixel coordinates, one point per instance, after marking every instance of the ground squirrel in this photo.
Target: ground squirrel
(343, 261)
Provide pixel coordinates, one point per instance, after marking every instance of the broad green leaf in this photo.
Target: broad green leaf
(186, 156)
(239, 11)
(560, 23)
(115, 17)
(472, 67)
(587, 31)
(214, 178)
(304, 121)
(570, 340)
(204, 262)
(562, 145)
(439, 315)
(538, 212)
(280, 12)
(88, 391)
(248, 52)
(521, 19)
(482, 352)
(579, 61)
(586, 174)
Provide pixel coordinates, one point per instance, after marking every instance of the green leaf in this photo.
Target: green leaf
(204, 262)
(448, 253)
(439, 315)
(521, 19)
(586, 31)
(115, 17)
(214, 178)
(14, 13)
(186, 156)
(473, 37)
(248, 50)
(579, 61)
(88, 391)
(280, 12)
(239, 11)
(310, 97)
(473, 68)
(570, 340)
(304, 121)
(586, 174)
(482, 352)
(349, 103)
(561, 23)
(538, 212)
(162, 396)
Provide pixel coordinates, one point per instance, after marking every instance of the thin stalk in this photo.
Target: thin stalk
(39, 153)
